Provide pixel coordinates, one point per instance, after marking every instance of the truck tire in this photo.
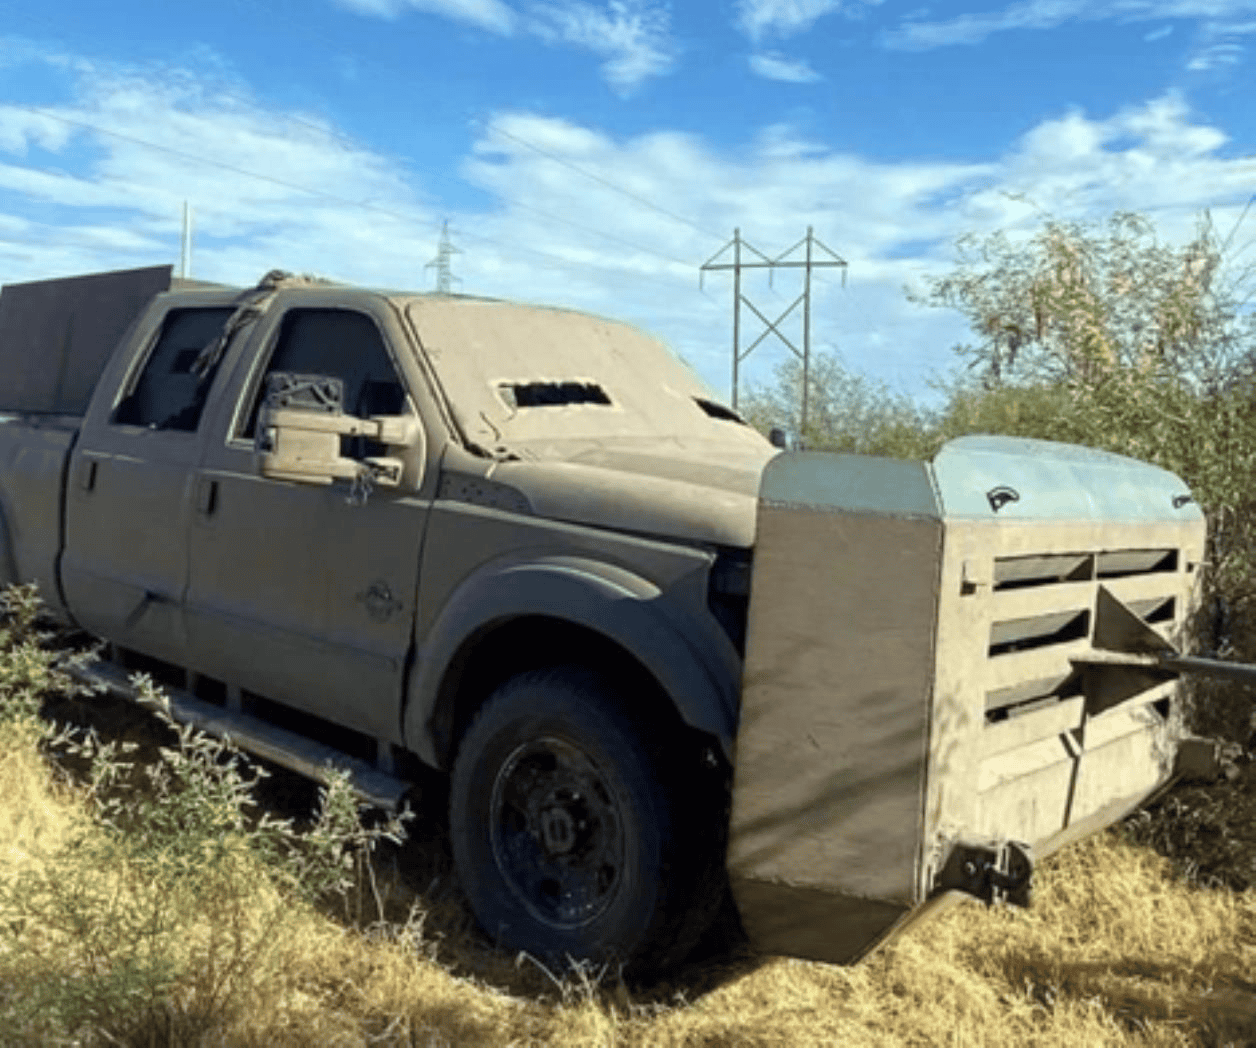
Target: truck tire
(568, 829)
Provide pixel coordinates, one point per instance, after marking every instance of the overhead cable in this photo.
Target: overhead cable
(553, 260)
(645, 202)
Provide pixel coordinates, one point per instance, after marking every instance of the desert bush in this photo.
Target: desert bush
(162, 901)
(847, 412)
(28, 664)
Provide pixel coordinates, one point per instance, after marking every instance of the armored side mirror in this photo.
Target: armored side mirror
(300, 425)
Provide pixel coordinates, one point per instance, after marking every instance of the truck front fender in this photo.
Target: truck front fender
(621, 607)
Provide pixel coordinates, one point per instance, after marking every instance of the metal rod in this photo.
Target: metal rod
(1239, 672)
(185, 247)
(736, 309)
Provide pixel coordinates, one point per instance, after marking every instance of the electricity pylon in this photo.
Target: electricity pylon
(781, 261)
(445, 250)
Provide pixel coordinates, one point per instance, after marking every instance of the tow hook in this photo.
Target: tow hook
(992, 871)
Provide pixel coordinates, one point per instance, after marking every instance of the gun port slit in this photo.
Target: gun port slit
(1038, 631)
(551, 394)
(1119, 563)
(1047, 569)
(1031, 695)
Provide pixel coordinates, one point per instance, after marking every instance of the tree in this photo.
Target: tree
(846, 412)
(1080, 302)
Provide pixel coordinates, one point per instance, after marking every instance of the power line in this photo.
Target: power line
(603, 181)
(440, 176)
(322, 194)
(347, 144)
(301, 29)
(332, 132)
(1243, 215)
(211, 163)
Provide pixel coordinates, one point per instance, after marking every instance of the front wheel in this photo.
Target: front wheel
(567, 829)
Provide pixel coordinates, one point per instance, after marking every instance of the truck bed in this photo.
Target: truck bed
(34, 451)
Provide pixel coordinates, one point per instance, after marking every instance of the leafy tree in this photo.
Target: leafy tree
(846, 412)
(1080, 302)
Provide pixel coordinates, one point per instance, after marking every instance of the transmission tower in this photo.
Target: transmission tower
(445, 250)
(784, 260)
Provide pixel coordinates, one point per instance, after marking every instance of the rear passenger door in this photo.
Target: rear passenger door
(295, 593)
(129, 492)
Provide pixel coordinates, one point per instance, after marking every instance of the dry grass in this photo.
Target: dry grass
(1117, 950)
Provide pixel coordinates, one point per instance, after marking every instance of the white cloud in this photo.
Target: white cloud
(1158, 34)
(894, 222)
(1152, 158)
(492, 15)
(20, 128)
(759, 19)
(774, 66)
(270, 187)
(973, 28)
(633, 36)
(1220, 46)
(921, 34)
(549, 232)
(1215, 56)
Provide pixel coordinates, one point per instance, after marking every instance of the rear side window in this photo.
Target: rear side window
(166, 394)
(337, 343)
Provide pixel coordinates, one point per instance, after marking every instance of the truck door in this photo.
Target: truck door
(295, 593)
(128, 495)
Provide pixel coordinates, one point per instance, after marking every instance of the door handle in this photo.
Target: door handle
(206, 496)
(87, 474)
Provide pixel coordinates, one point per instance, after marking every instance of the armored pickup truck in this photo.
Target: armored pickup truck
(658, 657)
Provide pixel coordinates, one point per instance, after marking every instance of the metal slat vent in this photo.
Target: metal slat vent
(1038, 631)
(1032, 637)
(1119, 563)
(1046, 569)
(1030, 695)
(1042, 570)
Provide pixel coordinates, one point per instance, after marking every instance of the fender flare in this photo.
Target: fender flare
(623, 607)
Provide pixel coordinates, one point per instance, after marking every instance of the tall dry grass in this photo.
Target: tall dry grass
(129, 917)
(1117, 950)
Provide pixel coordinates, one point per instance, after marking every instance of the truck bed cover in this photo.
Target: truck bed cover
(57, 335)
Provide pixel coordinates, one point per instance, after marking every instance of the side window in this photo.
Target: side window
(342, 344)
(166, 394)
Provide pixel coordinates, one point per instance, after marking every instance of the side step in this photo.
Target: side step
(285, 748)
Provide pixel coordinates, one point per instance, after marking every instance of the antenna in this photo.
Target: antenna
(185, 248)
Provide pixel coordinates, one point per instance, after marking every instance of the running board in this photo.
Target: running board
(285, 748)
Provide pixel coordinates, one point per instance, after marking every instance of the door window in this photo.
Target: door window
(167, 394)
(342, 344)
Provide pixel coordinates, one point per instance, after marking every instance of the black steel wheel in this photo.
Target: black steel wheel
(567, 827)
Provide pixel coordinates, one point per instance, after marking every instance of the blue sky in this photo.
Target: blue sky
(594, 153)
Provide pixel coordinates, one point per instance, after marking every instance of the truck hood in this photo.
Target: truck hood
(693, 490)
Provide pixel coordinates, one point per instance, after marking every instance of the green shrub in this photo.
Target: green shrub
(164, 899)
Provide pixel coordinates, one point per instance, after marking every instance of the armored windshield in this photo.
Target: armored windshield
(521, 374)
